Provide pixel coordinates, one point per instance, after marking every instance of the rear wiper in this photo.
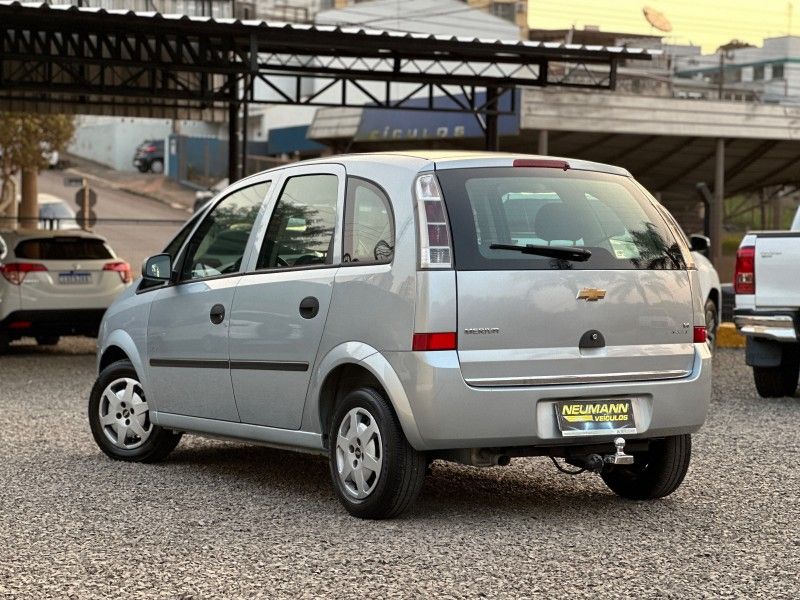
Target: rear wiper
(562, 252)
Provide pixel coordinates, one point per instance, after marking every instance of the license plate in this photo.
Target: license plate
(597, 417)
(74, 278)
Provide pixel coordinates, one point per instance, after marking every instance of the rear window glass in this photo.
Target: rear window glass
(63, 248)
(604, 214)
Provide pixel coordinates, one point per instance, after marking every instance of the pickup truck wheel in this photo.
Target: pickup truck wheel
(119, 418)
(655, 473)
(777, 382)
(375, 471)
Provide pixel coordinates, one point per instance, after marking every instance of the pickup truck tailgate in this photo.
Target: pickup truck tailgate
(777, 270)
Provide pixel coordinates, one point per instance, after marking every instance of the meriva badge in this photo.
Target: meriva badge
(481, 330)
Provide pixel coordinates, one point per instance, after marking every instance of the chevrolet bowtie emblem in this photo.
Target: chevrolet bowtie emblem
(591, 294)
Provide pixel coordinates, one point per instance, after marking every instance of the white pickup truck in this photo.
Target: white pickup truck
(767, 286)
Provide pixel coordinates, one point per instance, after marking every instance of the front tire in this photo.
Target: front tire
(655, 473)
(120, 418)
(375, 471)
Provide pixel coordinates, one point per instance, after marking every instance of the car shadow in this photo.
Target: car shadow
(526, 486)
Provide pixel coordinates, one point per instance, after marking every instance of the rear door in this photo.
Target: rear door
(281, 305)
(625, 314)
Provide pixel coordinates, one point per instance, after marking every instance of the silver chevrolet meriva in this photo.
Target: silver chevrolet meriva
(387, 310)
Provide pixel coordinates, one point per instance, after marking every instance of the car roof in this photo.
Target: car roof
(421, 160)
(45, 198)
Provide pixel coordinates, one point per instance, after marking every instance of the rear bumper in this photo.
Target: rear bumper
(31, 323)
(450, 414)
(777, 325)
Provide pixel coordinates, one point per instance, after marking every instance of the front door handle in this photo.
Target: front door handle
(217, 314)
(309, 307)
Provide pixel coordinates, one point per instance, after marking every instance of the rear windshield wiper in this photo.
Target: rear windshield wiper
(562, 252)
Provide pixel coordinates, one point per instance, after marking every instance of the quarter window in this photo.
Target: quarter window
(218, 245)
(300, 231)
(368, 224)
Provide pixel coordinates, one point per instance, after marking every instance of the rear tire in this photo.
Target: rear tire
(655, 473)
(157, 167)
(777, 382)
(47, 340)
(120, 418)
(4, 342)
(375, 471)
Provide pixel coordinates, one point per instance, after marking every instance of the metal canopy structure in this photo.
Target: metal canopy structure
(96, 61)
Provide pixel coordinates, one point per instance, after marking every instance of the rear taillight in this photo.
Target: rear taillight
(435, 249)
(700, 334)
(121, 267)
(16, 272)
(150, 149)
(434, 341)
(744, 279)
(541, 163)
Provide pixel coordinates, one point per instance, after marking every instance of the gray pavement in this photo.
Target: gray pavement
(229, 520)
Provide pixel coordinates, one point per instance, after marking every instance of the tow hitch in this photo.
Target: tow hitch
(619, 457)
(597, 462)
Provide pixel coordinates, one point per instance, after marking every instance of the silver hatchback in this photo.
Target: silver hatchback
(388, 310)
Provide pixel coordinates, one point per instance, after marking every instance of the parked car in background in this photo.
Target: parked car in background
(55, 283)
(391, 309)
(149, 156)
(796, 220)
(767, 313)
(55, 213)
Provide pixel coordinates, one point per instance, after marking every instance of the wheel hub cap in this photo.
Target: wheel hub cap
(124, 415)
(359, 453)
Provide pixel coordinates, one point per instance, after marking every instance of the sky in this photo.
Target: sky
(709, 23)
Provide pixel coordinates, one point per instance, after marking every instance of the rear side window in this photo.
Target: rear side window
(368, 224)
(63, 248)
(300, 231)
(605, 214)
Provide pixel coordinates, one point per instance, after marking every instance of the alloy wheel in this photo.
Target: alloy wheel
(359, 453)
(124, 414)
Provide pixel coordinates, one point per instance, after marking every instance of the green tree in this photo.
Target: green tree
(24, 138)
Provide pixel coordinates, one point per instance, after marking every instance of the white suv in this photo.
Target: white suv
(56, 283)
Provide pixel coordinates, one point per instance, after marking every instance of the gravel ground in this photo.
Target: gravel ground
(227, 520)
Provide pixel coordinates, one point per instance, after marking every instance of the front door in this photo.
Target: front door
(187, 333)
(280, 307)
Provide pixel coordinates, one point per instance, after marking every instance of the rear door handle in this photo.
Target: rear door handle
(217, 314)
(309, 307)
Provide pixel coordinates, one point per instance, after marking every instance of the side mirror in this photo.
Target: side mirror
(158, 268)
(699, 243)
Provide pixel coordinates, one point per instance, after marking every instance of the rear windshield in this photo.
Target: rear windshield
(605, 214)
(63, 248)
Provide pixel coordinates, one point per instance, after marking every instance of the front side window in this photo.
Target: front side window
(510, 218)
(217, 246)
(368, 224)
(300, 231)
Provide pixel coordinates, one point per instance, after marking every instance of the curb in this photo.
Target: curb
(115, 186)
(729, 337)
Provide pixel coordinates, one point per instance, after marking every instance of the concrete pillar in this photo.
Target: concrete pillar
(543, 142)
(29, 206)
(716, 206)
